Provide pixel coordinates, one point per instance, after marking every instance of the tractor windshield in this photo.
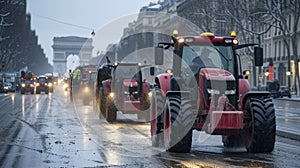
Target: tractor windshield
(197, 57)
(127, 72)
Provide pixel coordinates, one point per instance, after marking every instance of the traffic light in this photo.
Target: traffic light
(3, 64)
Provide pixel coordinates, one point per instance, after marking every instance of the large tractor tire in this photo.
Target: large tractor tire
(110, 110)
(156, 109)
(102, 105)
(178, 122)
(261, 131)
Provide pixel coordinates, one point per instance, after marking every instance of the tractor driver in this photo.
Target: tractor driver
(201, 61)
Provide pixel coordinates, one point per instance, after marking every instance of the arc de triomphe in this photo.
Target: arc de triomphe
(70, 45)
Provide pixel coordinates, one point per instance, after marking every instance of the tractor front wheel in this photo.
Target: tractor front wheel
(178, 122)
(110, 110)
(156, 108)
(260, 128)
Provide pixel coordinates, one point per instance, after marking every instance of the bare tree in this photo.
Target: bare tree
(287, 14)
(251, 21)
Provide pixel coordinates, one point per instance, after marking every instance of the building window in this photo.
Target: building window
(279, 50)
(275, 51)
(290, 23)
(270, 54)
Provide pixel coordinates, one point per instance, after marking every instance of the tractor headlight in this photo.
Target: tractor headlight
(65, 85)
(213, 91)
(23, 85)
(230, 92)
(86, 89)
(111, 95)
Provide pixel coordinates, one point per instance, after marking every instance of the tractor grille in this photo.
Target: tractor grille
(219, 88)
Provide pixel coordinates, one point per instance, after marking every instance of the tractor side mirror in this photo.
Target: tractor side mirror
(152, 71)
(159, 55)
(258, 56)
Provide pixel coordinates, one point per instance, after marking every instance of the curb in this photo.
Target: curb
(288, 135)
(288, 99)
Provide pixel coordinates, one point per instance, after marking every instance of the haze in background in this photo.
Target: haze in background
(80, 18)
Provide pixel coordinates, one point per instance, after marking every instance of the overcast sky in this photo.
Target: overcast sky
(107, 17)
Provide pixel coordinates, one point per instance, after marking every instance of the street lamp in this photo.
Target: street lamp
(288, 74)
(267, 74)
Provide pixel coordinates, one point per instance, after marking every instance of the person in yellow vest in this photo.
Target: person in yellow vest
(76, 75)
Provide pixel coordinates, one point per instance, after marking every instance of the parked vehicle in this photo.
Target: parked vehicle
(284, 91)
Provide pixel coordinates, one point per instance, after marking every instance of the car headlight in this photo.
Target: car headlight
(5, 87)
(49, 84)
(23, 85)
(54, 83)
(213, 91)
(37, 84)
(31, 85)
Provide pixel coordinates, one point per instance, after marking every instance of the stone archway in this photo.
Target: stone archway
(70, 45)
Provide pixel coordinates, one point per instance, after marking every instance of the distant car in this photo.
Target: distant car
(42, 85)
(3, 88)
(9, 86)
(27, 85)
(284, 91)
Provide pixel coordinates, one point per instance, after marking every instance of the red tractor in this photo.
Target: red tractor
(208, 92)
(122, 87)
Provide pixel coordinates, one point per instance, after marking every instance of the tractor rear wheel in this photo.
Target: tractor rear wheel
(156, 109)
(178, 122)
(110, 110)
(102, 104)
(261, 131)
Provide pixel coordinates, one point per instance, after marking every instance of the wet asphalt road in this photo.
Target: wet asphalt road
(50, 131)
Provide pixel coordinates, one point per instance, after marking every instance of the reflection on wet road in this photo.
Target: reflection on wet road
(50, 131)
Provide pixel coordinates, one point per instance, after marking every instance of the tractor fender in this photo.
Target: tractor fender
(244, 87)
(106, 86)
(163, 81)
(254, 94)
